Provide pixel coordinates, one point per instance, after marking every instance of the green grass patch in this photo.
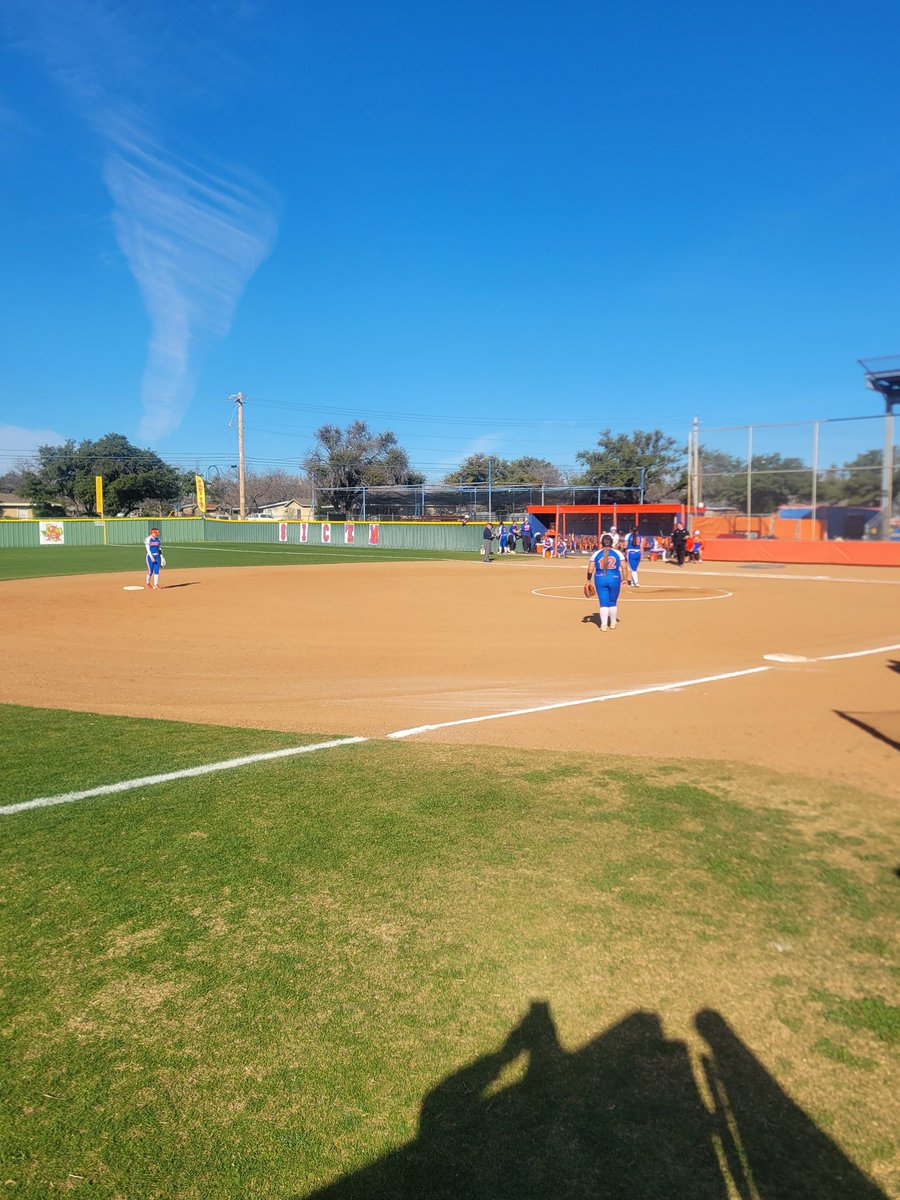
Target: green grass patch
(349, 963)
(870, 945)
(864, 1012)
(839, 1053)
(77, 751)
(43, 561)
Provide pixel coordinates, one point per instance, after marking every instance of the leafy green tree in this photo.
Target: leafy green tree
(50, 484)
(619, 459)
(775, 480)
(535, 471)
(346, 460)
(62, 478)
(527, 469)
(858, 481)
(476, 467)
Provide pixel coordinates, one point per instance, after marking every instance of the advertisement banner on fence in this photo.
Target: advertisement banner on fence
(304, 532)
(326, 532)
(52, 533)
(282, 532)
(349, 535)
(374, 535)
(200, 487)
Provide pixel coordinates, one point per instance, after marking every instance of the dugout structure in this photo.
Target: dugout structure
(586, 522)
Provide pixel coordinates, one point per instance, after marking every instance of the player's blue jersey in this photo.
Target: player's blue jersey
(153, 547)
(613, 565)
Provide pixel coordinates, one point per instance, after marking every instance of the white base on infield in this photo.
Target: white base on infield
(231, 763)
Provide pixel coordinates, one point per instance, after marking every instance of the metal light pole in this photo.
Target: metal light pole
(887, 473)
(815, 479)
(238, 399)
(883, 376)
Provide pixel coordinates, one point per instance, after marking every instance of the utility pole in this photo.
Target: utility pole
(238, 399)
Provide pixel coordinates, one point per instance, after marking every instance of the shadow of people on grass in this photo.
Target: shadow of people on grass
(622, 1118)
(772, 1147)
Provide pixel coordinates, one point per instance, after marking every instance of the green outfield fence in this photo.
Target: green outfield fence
(131, 531)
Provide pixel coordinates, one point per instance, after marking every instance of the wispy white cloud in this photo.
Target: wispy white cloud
(192, 237)
(192, 231)
(17, 440)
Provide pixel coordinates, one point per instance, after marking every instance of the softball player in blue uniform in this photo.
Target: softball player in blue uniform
(155, 560)
(607, 568)
(633, 549)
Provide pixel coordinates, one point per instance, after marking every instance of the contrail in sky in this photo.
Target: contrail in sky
(192, 238)
(193, 232)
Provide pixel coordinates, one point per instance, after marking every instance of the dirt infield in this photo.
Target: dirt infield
(376, 648)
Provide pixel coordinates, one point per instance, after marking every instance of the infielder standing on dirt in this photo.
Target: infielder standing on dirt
(155, 560)
(633, 549)
(606, 571)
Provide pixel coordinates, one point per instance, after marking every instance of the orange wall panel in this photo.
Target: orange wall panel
(857, 554)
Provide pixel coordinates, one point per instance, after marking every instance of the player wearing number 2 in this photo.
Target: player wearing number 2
(606, 571)
(155, 560)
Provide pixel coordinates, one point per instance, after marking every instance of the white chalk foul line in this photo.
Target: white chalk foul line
(858, 653)
(229, 764)
(801, 658)
(110, 789)
(796, 578)
(522, 712)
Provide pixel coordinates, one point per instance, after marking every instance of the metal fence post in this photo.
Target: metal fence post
(815, 480)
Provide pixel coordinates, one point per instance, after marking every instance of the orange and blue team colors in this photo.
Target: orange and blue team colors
(606, 567)
(153, 546)
(634, 549)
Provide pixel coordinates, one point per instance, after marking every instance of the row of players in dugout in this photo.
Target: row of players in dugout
(680, 547)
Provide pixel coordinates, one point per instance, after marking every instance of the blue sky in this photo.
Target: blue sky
(488, 226)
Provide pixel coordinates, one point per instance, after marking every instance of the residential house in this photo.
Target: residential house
(15, 508)
(287, 510)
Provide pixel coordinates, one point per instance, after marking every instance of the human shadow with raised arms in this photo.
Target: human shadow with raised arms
(622, 1118)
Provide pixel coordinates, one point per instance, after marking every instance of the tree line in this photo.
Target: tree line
(60, 479)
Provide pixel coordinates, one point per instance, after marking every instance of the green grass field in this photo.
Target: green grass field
(42, 561)
(434, 971)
